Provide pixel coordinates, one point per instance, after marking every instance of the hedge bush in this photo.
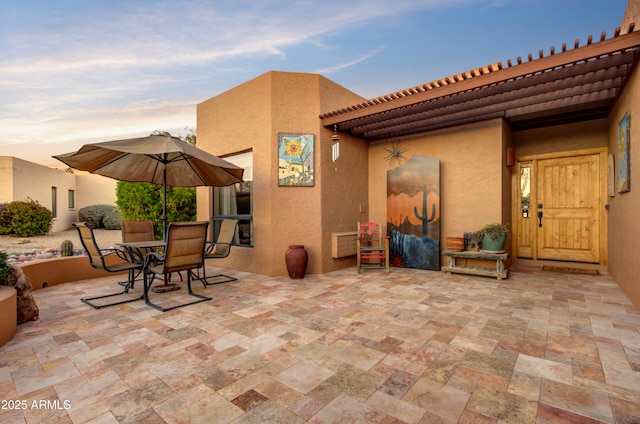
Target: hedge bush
(25, 219)
(5, 220)
(143, 201)
(94, 215)
(4, 268)
(112, 220)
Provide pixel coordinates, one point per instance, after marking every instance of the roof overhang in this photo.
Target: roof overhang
(573, 85)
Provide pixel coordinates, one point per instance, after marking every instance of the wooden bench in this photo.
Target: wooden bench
(454, 258)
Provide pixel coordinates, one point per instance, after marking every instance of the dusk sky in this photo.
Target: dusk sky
(77, 71)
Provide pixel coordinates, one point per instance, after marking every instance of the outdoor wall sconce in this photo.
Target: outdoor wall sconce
(511, 156)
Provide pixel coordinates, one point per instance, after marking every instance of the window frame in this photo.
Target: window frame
(216, 219)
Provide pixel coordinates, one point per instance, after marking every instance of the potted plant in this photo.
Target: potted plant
(472, 241)
(493, 237)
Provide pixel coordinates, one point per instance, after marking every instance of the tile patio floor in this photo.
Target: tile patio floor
(406, 347)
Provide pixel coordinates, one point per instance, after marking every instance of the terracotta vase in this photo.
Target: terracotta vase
(454, 243)
(296, 259)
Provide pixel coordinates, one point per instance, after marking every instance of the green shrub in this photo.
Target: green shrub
(4, 268)
(5, 220)
(143, 201)
(25, 219)
(112, 220)
(94, 215)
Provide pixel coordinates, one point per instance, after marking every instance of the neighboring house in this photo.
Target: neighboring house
(63, 193)
(538, 136)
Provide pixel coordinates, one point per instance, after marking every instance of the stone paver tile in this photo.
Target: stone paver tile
(544, 368)
(345, 409)
(304, 376)
(198, 405)
(579, 401)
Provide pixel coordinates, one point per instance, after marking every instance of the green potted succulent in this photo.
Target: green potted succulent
(493, 237)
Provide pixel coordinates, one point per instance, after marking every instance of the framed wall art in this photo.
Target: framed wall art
(295, 160)
(624, 174)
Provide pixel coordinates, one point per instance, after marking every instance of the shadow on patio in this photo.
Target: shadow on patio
(410, 346)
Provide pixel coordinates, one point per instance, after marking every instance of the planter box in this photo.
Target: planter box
(8, 314)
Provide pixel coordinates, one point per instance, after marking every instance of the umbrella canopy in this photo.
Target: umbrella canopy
(159, 159)
(146, 159)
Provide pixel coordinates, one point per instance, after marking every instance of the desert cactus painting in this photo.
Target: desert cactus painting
(413, 213)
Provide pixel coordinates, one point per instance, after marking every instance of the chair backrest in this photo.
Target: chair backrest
(222, 245)
(369, 232)
(89, 244)
(135, 231)
(185, 246)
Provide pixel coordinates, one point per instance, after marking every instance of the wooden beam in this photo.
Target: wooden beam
(495, 107)
(621, 43)
(605, 68)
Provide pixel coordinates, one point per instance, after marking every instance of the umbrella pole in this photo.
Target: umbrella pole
(164, 203)
(167, 286)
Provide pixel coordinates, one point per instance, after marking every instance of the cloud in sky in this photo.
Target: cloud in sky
(73, 72)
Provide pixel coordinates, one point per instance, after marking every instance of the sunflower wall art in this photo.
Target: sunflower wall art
(295, 159)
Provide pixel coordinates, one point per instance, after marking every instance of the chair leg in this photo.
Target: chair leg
(129, 285)
(163, 309)
(132, 281)
(204, 279)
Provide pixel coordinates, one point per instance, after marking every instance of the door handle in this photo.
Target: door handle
(540, 219)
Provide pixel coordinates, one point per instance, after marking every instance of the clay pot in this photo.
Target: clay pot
(296, 259)
(454, 243)
(491, 245)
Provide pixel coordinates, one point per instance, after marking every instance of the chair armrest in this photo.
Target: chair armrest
(210, 247)
(152, 258)
(114, 251)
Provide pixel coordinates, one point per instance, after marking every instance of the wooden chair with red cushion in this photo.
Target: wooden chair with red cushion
(372, 245)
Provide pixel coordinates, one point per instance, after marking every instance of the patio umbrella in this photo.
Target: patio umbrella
(159, 159)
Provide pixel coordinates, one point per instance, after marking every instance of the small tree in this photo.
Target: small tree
(143, 201)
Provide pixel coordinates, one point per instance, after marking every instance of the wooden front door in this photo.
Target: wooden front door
(568, 208)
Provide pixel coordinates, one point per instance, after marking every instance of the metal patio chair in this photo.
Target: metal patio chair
(183, 251)
(220, 249)
(97, 259)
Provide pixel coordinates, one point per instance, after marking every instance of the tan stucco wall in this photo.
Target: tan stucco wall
(472, 175)
(561, 138)
(624, 225)
(21, 179)
(94, 190)
(249, 117)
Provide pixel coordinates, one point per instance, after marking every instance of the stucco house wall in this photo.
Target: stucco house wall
(624, 225)
(249, 117)
(94, 189)
(22, 180)
(28, 180)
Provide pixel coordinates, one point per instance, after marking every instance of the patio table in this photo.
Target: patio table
(134, 253)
